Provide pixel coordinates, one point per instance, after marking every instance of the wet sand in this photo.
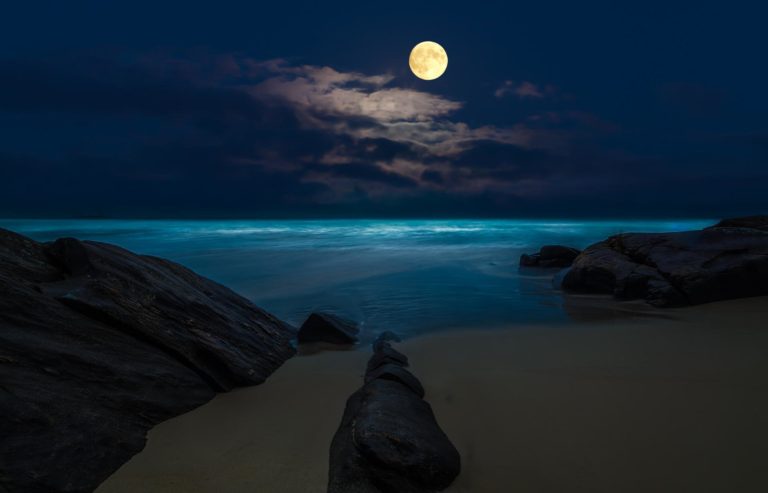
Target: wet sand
(676, 404)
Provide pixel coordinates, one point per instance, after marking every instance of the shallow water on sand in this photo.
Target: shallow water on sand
(414, 276)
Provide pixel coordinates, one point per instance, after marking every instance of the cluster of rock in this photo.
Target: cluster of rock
(97, 345)
(550, 256)
(725, 261)
(388, 440)
(729, 260)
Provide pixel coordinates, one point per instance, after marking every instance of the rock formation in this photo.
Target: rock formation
(752, 222)
(98, 344)
(325, 327)
(389, 440)
(550, 256)
(728, 260)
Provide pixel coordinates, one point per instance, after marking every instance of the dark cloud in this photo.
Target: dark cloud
(361, 172)
(103, 87)
(523, 90)
(432, 176)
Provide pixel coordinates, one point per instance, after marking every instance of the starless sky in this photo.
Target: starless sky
(298, 109)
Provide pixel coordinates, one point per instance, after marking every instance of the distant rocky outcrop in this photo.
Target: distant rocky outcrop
(550, 256)
(728, 260)
(389, 440)
(752, 222)
(325, 327)
(98, 344)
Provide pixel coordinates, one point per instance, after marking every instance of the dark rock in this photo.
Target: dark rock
(674, 269)
(752, 222)
(324, 327)
(529, 260)
(71, 255)
(391, 371)
(384, 353)
(550, 256)
(389, 440)
(97, 345)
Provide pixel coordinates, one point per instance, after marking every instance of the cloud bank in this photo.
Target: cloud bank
(230, 135)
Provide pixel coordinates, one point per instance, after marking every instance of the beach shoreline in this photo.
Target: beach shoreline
(676, 403)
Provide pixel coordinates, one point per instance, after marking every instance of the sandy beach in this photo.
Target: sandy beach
(677, 403)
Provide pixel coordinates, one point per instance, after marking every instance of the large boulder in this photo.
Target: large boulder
(389, 440)
(98, 344)
(550, 256)
(326, 327)
(675, 269)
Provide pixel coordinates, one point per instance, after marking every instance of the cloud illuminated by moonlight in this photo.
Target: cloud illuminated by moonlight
(365, 107)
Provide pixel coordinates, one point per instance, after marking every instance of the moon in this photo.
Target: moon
(428, 60)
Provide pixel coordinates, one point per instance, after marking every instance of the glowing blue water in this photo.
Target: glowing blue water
(409, 276)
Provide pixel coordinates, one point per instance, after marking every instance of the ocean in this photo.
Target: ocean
(409, 276)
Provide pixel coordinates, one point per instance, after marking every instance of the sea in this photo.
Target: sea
(408, 276)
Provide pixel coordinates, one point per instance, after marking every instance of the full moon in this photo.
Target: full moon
(428, 60)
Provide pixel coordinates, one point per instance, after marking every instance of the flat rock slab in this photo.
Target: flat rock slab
(389, 440)
(675, 269)
(98, 344)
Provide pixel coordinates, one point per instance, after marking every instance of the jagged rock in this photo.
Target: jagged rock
(98, 344)
(550, 256)
(388, 440)
(674, 269)
(324, 327)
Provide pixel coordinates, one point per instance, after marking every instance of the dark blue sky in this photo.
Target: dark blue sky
(308, 109)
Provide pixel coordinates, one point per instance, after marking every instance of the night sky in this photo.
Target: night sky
(308, 109)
